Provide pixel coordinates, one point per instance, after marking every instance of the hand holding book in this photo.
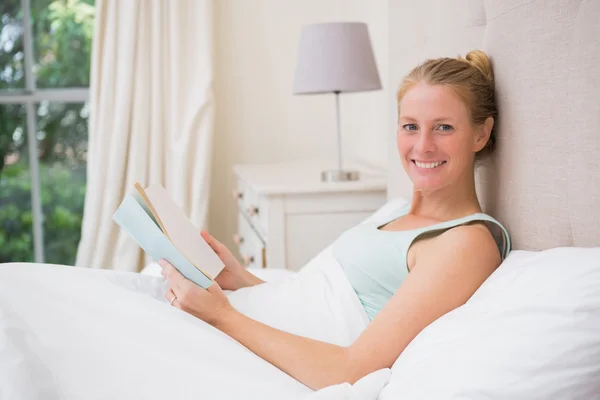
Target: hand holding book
(161, 229)
(234, 276)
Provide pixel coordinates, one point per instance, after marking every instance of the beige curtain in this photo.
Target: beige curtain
(152, 107)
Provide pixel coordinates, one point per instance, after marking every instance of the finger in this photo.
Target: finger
(185, 293)
(212, 242)
(172, 298)
(165, 267)
(171, 274)
(214, 288)
(169, 294)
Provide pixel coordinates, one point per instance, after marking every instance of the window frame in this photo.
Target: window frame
(30, 97)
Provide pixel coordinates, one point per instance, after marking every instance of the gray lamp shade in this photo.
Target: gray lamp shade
(335, 57)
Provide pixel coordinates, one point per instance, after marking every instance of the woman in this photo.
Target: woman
(422, 262)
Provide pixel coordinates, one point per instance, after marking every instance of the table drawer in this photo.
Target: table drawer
(254, 206)
(240, 194)
(251, 248)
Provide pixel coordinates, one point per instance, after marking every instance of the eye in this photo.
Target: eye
(410, 127)
(445, 128)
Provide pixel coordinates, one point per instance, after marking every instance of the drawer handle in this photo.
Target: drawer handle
(252, 211)
(247, 260)
(237, 195)
(237, 239)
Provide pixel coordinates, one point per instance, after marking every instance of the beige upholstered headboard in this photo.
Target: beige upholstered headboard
(543, 182)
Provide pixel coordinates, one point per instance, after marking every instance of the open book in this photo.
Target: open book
(161, 229)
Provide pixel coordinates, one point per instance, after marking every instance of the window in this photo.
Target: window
(45, 51)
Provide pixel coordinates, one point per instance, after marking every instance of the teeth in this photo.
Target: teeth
(428, 165)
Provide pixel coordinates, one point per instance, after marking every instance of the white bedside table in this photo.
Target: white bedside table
(286, 215)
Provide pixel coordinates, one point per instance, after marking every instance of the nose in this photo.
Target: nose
(425, 143)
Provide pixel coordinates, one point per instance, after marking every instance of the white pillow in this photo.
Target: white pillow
(532, 331)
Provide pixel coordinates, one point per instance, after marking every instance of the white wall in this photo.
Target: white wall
(258, 120)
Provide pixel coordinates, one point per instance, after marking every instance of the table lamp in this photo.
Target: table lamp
(336, 57)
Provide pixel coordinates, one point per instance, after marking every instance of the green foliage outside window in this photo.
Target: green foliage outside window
(62, 194)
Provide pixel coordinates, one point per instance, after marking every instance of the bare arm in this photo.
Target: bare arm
(439, 282)
(249, 279)
(316, 364)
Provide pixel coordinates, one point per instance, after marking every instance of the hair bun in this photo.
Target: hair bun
(481, 61)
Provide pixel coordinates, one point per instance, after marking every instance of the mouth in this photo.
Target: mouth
(428, 165)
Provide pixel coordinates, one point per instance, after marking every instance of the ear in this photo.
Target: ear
(483, 134)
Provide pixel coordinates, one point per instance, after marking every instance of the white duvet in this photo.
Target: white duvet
(76, 333)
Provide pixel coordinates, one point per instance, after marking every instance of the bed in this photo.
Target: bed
(532, 331)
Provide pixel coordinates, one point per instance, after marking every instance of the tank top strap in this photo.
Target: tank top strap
(498, 231)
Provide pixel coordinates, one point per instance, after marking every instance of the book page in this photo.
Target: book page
(142, 198)
(184, 235)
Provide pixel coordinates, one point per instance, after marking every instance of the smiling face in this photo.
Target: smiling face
(436, 140)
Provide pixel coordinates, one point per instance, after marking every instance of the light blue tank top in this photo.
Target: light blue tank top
(375, 261)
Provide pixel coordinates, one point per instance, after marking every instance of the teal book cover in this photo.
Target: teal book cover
(136, 219)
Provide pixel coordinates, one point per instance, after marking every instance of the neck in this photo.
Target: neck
(453, 201)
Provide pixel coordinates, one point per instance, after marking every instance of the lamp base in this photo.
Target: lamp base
(337, 175)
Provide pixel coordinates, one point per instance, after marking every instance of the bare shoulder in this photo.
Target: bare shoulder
(470, 245)
(475, 233)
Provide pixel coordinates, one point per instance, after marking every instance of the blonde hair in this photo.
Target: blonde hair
(471, 78)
